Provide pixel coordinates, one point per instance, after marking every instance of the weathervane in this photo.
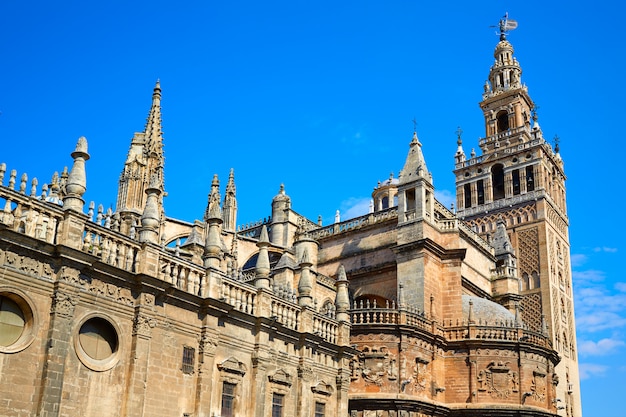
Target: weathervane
(414, 124)
(506, 25)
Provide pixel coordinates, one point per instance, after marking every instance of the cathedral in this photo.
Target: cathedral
(412, 310)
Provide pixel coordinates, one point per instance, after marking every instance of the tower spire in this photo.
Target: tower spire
(415, 164)
(230, 203)
(144, 164)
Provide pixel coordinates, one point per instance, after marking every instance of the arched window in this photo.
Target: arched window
(525, 282)
(385, 203)
(467, 191)
(497, 179)
(536, 283)
(503, 121)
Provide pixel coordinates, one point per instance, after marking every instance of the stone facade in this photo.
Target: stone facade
(411, 310)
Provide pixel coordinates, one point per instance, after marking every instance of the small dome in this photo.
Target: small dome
(486, 311)
(391, 181)
(281, 196)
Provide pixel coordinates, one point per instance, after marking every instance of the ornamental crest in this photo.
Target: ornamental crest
(498, 380)
(375, 365)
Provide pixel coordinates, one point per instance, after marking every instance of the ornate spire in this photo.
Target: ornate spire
(154, 134)
(213, 205)
(145, 160)
(506, 72)
(460, 153)
(230, 203)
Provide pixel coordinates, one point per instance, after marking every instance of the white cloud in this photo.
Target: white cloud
(605, 249)
(601, 347)
(586, 276)
(587, 370)
(578, 259)
(620, 286)
(445, 197)
(354, 207)
(598, 321)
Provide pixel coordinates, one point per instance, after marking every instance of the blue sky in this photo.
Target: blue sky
(320, 96)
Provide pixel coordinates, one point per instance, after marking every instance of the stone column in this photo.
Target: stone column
(64, 299)
(143, 323)
(207, 345)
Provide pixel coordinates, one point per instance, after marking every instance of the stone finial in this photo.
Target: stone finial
(213, 209)
(342, 299)
(77, 180)
(151, 217)
(305, 284)
(262, 268)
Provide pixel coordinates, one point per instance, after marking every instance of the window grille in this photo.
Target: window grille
(228, 399)
(319, 409)
(189, 355)
(277, 405)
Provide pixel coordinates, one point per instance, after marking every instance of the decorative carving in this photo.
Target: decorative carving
(70, 275)
(207, 344)
(29, 266)
(498, 380)
(420, 375)
(143, 325)
(233, 366)
(148, 299)
(305, 372)
(375, 365)
(322, 388)
(538, 385)
(63, 304)
(280, 377)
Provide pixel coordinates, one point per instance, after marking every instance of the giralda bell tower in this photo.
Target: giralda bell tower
(519, 178)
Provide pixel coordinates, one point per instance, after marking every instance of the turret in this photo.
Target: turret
(281, 204)
(505, 281)
(415, 189)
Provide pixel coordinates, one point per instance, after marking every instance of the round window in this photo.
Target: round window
(98, 338)
(12, 321)
(97, 344)
(16, 322)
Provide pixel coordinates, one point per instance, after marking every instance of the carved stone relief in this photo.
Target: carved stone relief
(498, 380)
(538, 385)
(233, 366)
(376, 365)
(63, 304)
(143, 325)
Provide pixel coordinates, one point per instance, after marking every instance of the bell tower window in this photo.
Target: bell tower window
(467, 191)
(516, 183)
(480, 190)
(497, 179)
(503, 121)
(530, 179)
